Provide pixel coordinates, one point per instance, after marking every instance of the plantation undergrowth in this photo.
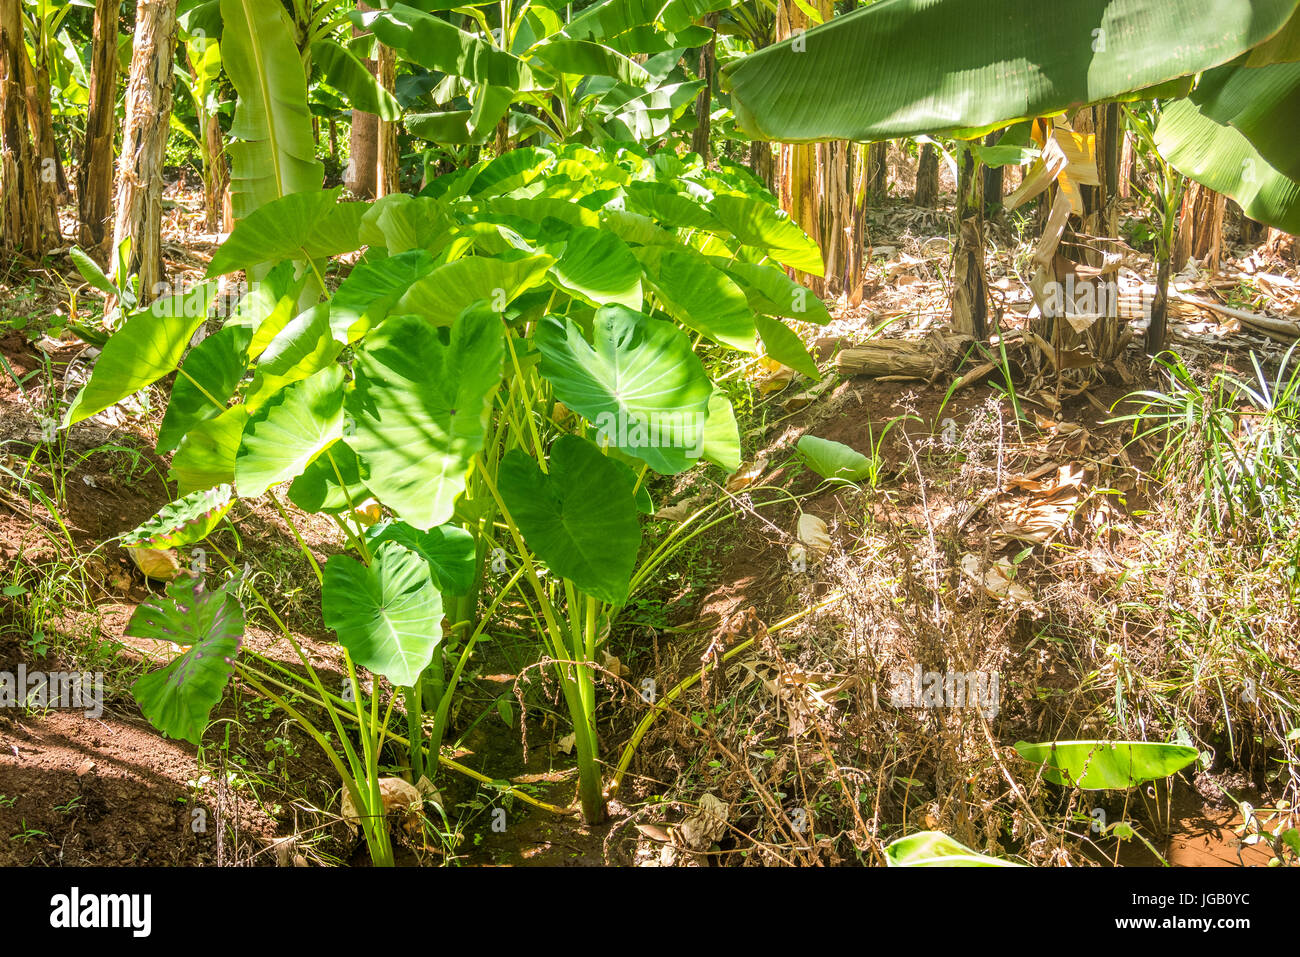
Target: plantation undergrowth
(848, 640)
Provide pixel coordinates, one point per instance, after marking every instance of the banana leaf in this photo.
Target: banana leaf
(908, 67)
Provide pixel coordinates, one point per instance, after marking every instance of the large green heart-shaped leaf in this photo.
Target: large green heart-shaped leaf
(1105, 765)
(206, 456)
(446, 292)
(905, 67)
(318, 488)
(400, 223)
(179, 698)
(310, 225)
(783, 344)
(187, 520)
(286, 434)
(208, 378)
(640, 384)
(372, 289)
(387, 615)
(598, 267)
(448, 549)
(421, 408)
(936, 849)
(147, 347)
(758, 223)
(302, 348)
(699, 295)
(580, 517)
(269, 305)
(667, 207)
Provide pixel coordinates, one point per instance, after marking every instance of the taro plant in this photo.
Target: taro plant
(513, 357)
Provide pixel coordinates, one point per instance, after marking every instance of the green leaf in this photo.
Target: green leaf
(147, 347)
(317, 489)
(209, 376)
(907, 67)
(640, 385)
(400, 223)
(607, 18)
(302, 348)
(580, 518)
(178, 699)
(585, 58)
(286, 434)
(668, 207)
(437, 45)
(446, 292)
(1221, 158)
(206, 456)
(597, 267)
(722, 433)
(347, 74)
(421, 409)
(1103, 765)
(448, 549)
(274, 151)
(187, 520)
(387, 615)
(833, 460)
(91, 272)
(372, 289)
(771, 292)
(781, 343)
(757, 223)
(936, 849)
(310, 225)
(1260, 103)
(699, 295)
(506, 173)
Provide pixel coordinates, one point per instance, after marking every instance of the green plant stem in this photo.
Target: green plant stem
(302, 545)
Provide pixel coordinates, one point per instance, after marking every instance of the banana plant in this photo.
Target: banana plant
(525, 68)
(966, 67)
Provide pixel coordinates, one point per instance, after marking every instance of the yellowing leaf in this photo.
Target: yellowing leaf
(813, 534)
(160, 564)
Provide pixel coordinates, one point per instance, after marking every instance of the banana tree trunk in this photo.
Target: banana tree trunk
(927, 177)
(144, 142)
(216, 178)
(1101, 220)
(878, 171)
(362, 173)
(823, 187)
(41, 118)
(28, 215)
(969, 284)
(95, 171)
(1200, 228)
(762, 163)
(704, 102)
(387, 158)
